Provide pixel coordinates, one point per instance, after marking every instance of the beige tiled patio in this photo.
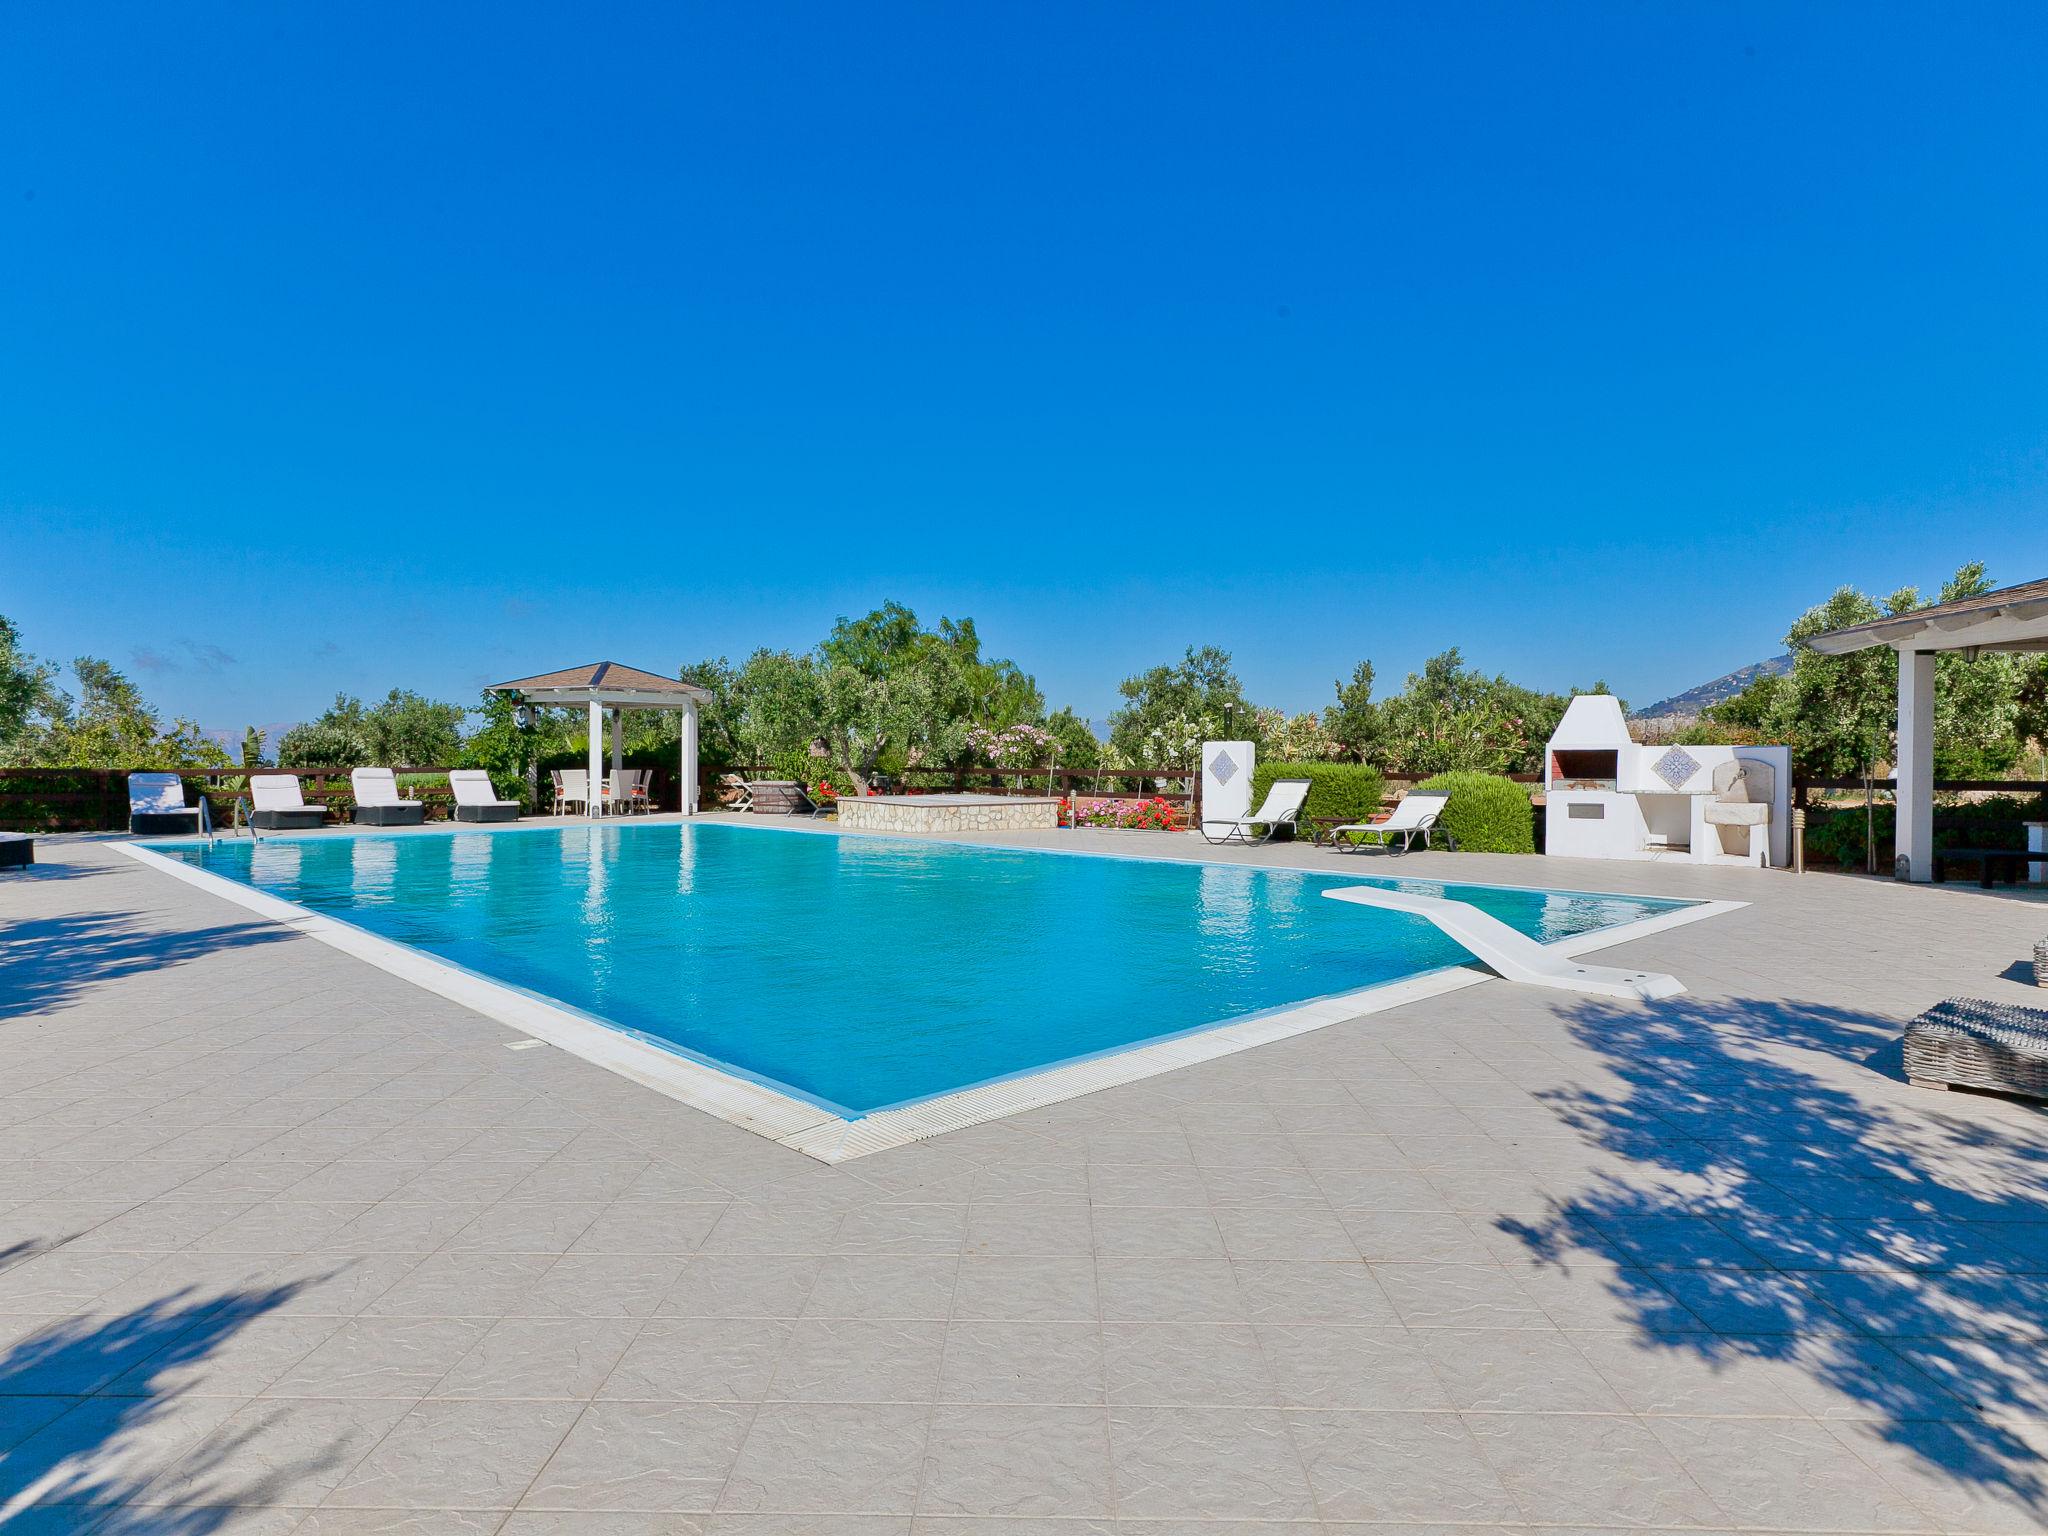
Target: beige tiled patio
(290, 1245)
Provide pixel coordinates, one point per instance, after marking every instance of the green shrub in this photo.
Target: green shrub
(1349, 790)
(1486, 813)
(1835, 834)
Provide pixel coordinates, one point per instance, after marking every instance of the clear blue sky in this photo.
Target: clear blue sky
(428, 346)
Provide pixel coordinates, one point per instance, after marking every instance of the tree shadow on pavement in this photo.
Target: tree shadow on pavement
(46, 962)
(89, 1413)
(1778, 1203)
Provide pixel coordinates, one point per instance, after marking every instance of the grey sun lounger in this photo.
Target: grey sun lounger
(1414, 817)
(476, 799)
(156, 803)
(378, 803)
(279, 806)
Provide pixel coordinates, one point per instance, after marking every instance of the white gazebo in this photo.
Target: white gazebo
(605, 685)
(2011, 619)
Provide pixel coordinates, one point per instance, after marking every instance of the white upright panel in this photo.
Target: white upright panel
(1226, 780)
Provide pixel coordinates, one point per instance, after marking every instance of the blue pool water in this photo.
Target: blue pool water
(862, 972)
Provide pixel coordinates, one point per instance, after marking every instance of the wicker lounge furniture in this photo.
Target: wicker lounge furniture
(1414, 817)
(378, 803)
(17, 850)
(477, 800)
(156, 803)
(777, 797)
(1969, 1043)
(280, 806)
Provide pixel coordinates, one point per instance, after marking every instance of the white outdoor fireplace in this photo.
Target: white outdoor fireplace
(1606, 797)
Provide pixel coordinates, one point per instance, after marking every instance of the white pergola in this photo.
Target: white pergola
(605, 685)
(2011, 619)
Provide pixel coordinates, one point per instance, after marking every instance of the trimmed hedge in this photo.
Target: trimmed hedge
(1486, 813)
(1835, 833)
(1349, 790)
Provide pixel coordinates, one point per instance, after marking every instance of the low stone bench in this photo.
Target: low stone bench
(1969, 1043)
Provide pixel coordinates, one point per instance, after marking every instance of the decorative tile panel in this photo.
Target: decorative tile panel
(1224, 767)
(1675, 767)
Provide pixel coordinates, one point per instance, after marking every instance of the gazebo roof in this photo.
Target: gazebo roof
(603, 682)
(2010, 619)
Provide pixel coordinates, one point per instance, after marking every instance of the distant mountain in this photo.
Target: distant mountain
(1689, 703)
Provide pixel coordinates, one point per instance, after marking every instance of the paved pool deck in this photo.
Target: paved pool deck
(287, 1244)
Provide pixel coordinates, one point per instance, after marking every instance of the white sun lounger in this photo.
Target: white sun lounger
(156, 803)
(477, 800)
(1281, 808)
(378, 803)
(279, 806)
(1414, 817)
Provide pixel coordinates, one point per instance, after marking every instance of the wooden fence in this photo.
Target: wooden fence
(96, 799)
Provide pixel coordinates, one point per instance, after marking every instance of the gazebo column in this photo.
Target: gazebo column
(595, 760)
(686, 779)
(1914, 808)
(618, 738)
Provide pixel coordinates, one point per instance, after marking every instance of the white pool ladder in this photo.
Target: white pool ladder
(1510, 953)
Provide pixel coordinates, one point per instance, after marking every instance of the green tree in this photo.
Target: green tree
(109, 725)
(252, 749)
(1976, 698)
(338, 738)
(1453, 718)
(778, 706)
(1079, 749)
(27, 692)
(1354, 720)
(893, 695)
(501, 745)
(1838, 712)
(410, 730)
(405, 730)
(1169, 711)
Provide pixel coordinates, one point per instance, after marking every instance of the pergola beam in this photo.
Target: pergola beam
(2012, 619)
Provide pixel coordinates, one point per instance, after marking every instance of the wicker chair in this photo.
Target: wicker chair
(1969, 1043)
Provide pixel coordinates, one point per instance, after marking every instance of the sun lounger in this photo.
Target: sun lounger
(777, 797)
(1281, 807)
(477, 800)
(156, 803)
(1969, 1043)
(279, 806)
(378, 803)
(1414, 817)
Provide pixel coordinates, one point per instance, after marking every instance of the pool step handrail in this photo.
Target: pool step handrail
(1511, 954)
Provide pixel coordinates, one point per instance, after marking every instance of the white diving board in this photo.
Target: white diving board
(1511, 954)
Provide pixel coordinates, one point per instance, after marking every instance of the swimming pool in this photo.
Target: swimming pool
(862, 974)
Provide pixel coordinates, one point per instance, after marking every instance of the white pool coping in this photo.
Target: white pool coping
(813, 1130)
